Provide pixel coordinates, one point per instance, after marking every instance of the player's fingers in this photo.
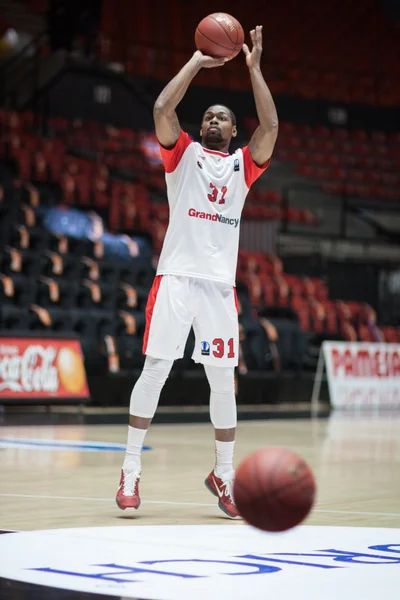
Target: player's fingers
(259, 34)
(214, 62)
(253, 35)
(245, 49)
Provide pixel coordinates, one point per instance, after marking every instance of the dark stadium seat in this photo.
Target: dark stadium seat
(13, 318)
(131, 297)
(56, 292)
(92, 327)
(24, 262)
(139, 274)
(17, 290)
(55, 265)
(32, 238)
(130, 323)
(96, 295)
(129, 348)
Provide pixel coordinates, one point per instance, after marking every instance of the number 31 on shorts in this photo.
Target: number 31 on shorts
(219, 348)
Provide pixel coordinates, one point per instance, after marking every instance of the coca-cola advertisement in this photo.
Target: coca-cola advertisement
(42, 368)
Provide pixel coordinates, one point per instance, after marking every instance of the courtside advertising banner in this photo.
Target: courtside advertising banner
(37, 368)
(363, 375)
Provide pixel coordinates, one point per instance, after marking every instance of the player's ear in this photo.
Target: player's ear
(234, 131)
(201, 132)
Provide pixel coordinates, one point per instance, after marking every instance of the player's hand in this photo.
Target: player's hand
(208, 62)
(253, 58)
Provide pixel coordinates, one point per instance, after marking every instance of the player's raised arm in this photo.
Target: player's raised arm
(263, 139)
(165, 118)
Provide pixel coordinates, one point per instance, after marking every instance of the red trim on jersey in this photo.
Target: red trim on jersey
(236, 300)
(223, 154)
(172, 156)
(149, 309)
(251, 170)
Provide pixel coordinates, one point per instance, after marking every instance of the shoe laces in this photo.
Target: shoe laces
(131, 479)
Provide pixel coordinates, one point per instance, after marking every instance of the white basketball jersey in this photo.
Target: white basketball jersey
(206, 193)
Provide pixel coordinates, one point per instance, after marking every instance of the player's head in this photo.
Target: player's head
(218, 127)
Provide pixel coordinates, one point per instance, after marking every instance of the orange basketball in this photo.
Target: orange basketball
(274, 489)
(219, 35)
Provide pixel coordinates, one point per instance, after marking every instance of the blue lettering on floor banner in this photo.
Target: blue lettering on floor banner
(120, 573)
(37, 444)
(350, 557)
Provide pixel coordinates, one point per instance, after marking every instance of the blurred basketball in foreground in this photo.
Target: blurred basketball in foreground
(219, 35)
(274, 489)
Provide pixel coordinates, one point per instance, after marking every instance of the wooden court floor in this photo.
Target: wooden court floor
(355, 458)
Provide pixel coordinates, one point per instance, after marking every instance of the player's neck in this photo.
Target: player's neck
(221, 147)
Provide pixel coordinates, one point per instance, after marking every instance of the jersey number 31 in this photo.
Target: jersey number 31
(216, 193)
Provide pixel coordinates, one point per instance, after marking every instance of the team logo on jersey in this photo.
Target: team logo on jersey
(205, 349)
(236, 166)
(199, 164)
(212, 217)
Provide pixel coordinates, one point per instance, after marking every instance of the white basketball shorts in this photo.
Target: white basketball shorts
(177, 303)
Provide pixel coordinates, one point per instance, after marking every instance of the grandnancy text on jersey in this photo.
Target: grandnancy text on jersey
(212, 217)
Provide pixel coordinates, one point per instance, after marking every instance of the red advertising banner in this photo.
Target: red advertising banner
(42, 368)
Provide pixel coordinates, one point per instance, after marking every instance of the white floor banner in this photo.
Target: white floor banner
(360, 375)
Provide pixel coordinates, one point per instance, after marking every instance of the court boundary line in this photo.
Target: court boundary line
(85, 499)
(49, 444)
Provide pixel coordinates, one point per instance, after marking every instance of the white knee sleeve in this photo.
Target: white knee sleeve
(146, 392)
(222, 397)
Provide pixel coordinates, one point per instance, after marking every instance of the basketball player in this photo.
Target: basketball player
(195, 280)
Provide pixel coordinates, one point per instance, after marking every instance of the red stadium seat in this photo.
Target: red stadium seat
(302, 310)
(365, 334)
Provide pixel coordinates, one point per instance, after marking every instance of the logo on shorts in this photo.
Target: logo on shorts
(205, 349)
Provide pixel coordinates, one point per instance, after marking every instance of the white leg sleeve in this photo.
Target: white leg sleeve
(222, 397)
(146, 392)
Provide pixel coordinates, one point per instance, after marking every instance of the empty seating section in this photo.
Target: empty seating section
(309, 48)
(117, 172)
(51, 283)
(263, 204)
(307, 298)
(81, 161)
(353, 163)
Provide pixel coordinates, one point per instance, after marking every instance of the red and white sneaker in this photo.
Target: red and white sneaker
(128, 491)
(223, 490)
